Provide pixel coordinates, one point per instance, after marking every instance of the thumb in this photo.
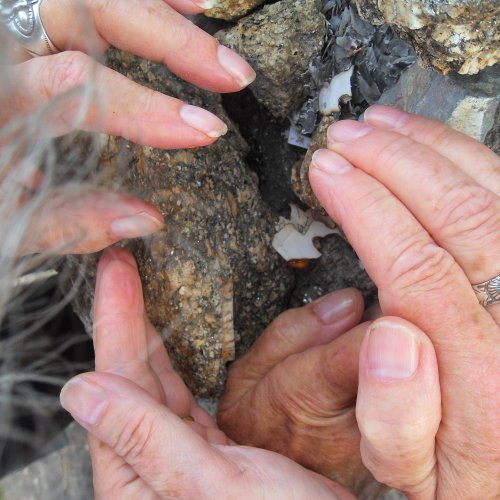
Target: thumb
(399, 406)
(85, 222)
(159, 446)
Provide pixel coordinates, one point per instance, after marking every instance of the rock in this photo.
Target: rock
(232, 9)
(211, 279)
(457, 35)
(300, 174)
(468, 104)
(279, 42)
(337, 268)
(65, 474)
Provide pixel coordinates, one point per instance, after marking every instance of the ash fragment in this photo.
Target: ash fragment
(377, 54)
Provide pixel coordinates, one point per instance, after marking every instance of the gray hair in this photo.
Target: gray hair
(32, 165)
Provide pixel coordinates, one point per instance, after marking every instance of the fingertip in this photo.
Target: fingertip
(330, 163)
(116, 254)
(392, 350)
(386, 117)
(339, 304)
(239, 69)
(203, 121)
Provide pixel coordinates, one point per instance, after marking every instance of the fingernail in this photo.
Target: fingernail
(386, 117)
(392, 351)
(236, 66)
(86, 402)
(205, 4)
(330, 162)
(203, 121)
(335, 306)
(347, 130)
(135, 226)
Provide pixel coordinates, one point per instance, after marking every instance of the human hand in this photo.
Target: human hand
(113, 104)
(148, 437)
(295, 391)
(74, 222)
(420, 204)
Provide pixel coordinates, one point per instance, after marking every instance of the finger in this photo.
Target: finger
(295, 331)
(88, 221)
(418, 281)
(93, 97)
(190, 6)
(398, 409)
(304, 408)
(158, 445)
(461, 215)
(178, 398)
(473, 158)
(127, 344)
(150, 29)
(120, 340)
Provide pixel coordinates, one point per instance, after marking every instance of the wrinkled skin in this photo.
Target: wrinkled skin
(420, 204)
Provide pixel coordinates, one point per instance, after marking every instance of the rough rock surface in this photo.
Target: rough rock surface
(300, 174)
(457, 35)
(65, 474)
(279, 42)
(211, 279)
(337, 268)
(232, 9)
(469, 104)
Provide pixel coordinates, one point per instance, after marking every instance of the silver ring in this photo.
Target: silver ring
(488, 292)
(23, 22)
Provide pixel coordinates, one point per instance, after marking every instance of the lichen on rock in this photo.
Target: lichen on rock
(280, 41)
(457, 35)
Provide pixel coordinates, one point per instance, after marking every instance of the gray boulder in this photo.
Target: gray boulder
(468, 104)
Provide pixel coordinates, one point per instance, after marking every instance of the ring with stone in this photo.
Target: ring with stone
(488, 292)
(23, 23)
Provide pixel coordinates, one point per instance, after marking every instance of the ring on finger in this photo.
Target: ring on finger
(488, 292)
(23, 22)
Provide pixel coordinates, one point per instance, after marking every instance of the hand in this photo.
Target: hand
(148, 438)
(420, 204)
(76, 222)
(295, 391)
(148, 28)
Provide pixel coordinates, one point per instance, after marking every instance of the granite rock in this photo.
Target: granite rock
(211, 279)
(469, 104)
(280, 41)
(232, 9)
(457, 35)
(338, 267)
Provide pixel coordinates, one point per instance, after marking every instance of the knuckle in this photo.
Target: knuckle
(284, 329)
(468, 212)
(69, 70)
(421, 266)
(133, 439)
(397, 151)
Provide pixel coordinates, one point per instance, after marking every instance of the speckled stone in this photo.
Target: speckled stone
(232, 9)
(457, 35)
(280, 41)
(300, 173)
(212, 280)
